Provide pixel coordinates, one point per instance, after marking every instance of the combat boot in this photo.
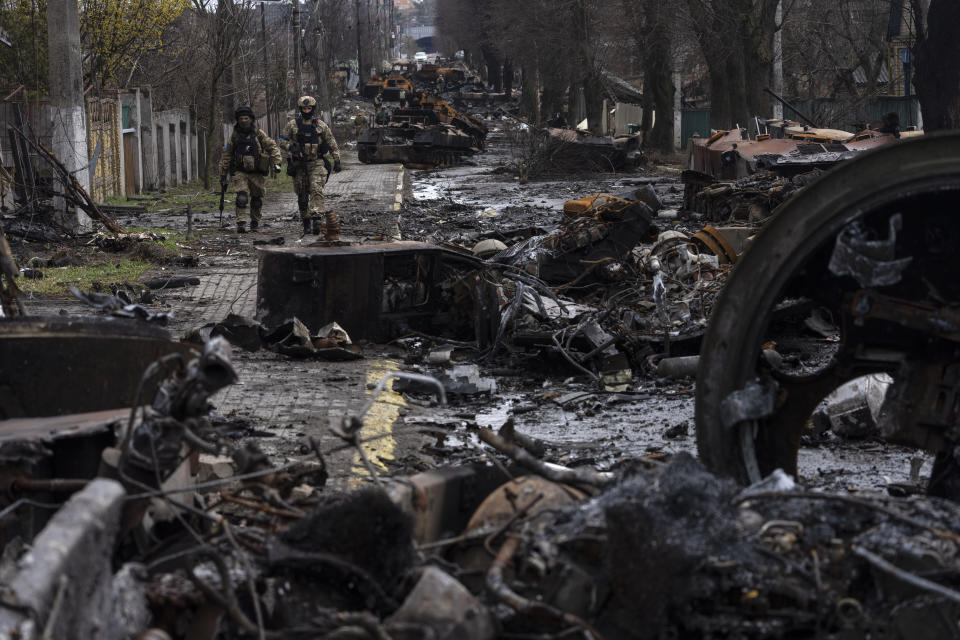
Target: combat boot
(241, 227)
(331, 231)
(254, 225)
(307, 225)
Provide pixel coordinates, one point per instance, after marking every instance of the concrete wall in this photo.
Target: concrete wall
(148, 141)
(626, 114)
(175, 143)
(165, 153)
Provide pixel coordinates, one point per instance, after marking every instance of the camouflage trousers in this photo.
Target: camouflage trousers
(252, 184)
(308, 185)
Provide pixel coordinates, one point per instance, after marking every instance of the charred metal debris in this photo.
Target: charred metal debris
(730, 176)
(605, 294)
(435, 116)
(133, 512)
(413, 124)
(176, 531)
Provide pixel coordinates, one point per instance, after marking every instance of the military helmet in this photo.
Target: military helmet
(307, 101)
(244, 111)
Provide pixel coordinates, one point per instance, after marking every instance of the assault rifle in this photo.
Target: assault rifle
(223, 192)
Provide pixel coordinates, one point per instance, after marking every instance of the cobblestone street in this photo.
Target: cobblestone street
(291, 399)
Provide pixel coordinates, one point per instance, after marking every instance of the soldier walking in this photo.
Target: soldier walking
(248, 156)
(307, 139)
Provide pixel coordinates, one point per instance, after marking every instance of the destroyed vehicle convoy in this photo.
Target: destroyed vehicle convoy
(426, 132)
(650, 549)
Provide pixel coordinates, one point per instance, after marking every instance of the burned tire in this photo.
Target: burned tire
(917, 181)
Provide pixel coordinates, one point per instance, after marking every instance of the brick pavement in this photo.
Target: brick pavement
(290, 398)
(230, 283)
(286, 397)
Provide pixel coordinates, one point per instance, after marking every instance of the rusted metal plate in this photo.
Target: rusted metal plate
(443, 500)
(57, 365)
(872, 142)
(375, 292)
(715, 241)
(43, 458)
(727, 156)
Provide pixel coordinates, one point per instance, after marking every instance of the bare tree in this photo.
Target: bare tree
(223, 25)
(837, 50)
(655, 26)
(736, 37)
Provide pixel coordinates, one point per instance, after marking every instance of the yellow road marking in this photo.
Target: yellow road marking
(379, 421)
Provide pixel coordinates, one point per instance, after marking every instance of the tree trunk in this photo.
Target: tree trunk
(590, 80)
(593, 95)
(212, 136)
(659, 83)
(649, 105)
(937, 67)
(508, 78)
(736, 38)
(528, 93)
(721, 111)
(494, 73)
(736, 89)
(658, 86)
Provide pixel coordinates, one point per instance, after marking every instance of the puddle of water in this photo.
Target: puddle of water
(494, 417)
(424, 190)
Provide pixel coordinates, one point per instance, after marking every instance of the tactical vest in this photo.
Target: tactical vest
(248, 156)
(309, 139)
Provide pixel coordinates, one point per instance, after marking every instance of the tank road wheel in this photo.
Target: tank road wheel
(872, 247)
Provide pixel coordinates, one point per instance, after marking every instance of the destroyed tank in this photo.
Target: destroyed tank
(389, 87)
(429, 134)
(415, 144)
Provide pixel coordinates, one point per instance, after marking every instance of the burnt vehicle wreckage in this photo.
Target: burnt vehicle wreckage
(132, 509)
(424, 130)
(427, 132)
(867, 245)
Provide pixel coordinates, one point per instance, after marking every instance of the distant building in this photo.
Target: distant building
(424, 37)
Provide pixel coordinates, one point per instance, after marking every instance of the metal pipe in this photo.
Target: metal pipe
(14, 92)
(791, 107)
(55, 485)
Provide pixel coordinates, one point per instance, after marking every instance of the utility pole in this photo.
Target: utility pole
(356, 5)
(297, 73)
(778, 60)
(266, 70)
(66, 101)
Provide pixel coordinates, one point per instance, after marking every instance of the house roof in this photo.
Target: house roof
(620, 90)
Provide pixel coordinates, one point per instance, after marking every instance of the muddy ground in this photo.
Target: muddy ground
(465, 204)
(549, 400)
(659, 549)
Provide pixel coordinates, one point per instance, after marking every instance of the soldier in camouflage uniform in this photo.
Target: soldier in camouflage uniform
(308, 140)
(249, 155)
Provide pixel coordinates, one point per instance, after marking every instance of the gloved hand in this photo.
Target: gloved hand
(223, 181)
(336, 166)
(295, 151)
